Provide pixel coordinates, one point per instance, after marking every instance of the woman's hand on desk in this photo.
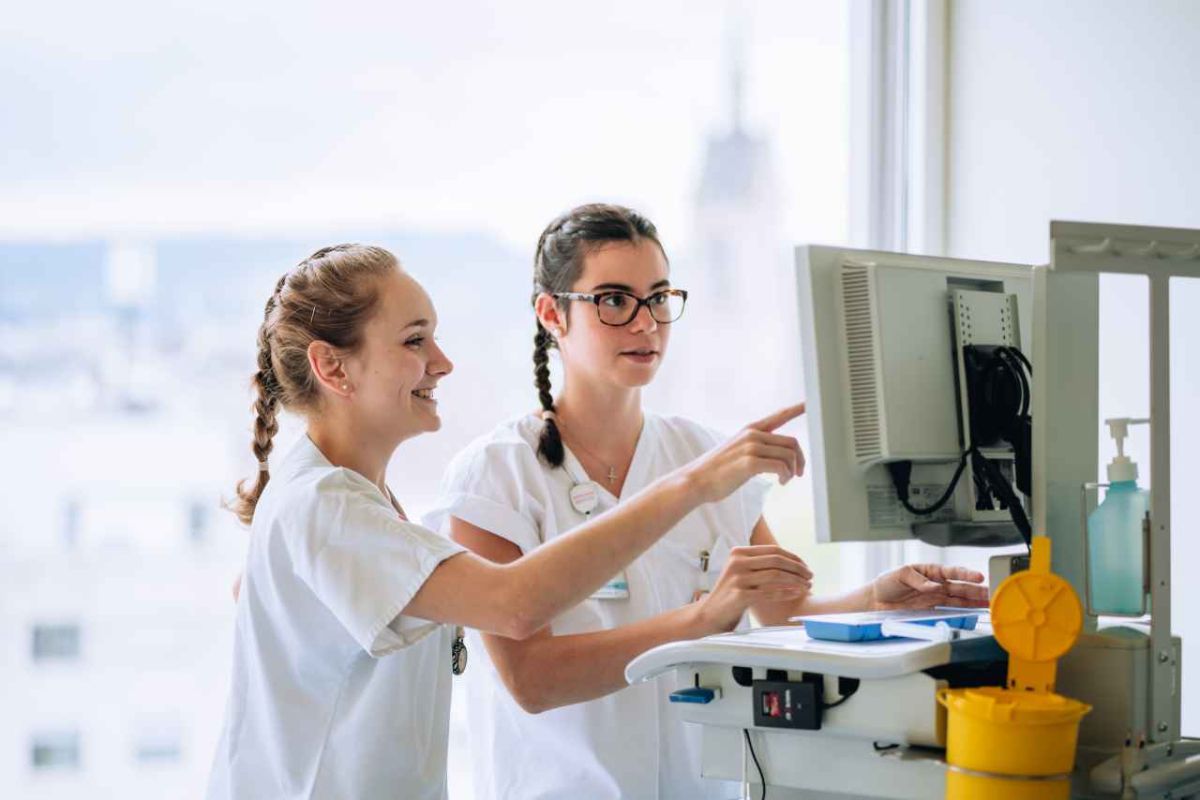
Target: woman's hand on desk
(752, 576)
(927, 586)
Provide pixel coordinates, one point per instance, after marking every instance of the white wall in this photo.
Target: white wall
(1089, 110)
(1075, 109)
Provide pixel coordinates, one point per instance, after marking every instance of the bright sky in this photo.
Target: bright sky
(167, 115)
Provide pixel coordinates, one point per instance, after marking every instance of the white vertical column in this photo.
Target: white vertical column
(1065, 410)
(925, 182)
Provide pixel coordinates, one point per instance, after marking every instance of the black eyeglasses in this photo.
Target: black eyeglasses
(619, 308)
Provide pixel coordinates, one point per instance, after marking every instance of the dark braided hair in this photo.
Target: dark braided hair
(327, 297)
(557, 264)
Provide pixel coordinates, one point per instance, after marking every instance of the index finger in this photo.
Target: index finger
(781, 564)
(946, 572)
(779, 418)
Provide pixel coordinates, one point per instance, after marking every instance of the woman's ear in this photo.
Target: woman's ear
(550, 314)
(328, 367)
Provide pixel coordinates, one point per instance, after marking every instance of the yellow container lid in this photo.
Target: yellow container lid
(998, 705)
(1036, 616)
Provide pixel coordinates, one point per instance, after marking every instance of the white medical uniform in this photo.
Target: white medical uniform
(333, 694)
(632, 743)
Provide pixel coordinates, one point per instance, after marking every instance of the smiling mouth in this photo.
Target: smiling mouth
(423, 394)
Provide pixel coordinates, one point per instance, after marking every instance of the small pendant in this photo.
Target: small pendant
(612, 474)
(458, 653)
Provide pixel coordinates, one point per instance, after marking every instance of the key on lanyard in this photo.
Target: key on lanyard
(458, 652)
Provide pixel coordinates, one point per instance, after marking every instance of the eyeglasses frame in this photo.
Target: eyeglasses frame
(639, 302)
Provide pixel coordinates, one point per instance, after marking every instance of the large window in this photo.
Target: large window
(170, 162)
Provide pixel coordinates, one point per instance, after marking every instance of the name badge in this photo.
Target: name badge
(585, 497)
(616, 589)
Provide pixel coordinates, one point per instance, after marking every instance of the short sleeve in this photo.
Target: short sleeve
(362, 561)
(496, 486)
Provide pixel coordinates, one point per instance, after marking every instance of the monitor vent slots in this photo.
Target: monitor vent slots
(858, 317)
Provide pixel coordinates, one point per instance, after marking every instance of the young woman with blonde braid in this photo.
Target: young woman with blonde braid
(552, 715)
(344, 647)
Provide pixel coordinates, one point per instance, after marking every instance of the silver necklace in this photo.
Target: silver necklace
(612, 471)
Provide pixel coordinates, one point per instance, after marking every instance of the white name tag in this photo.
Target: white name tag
(616, 589)
(585, 497)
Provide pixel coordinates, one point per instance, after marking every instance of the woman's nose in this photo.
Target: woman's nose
(439, 364)
(643, 320)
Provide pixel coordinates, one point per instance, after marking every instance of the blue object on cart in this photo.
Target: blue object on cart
(695, 694)
(866, 626)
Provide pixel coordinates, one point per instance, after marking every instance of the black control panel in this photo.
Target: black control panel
(789, 704)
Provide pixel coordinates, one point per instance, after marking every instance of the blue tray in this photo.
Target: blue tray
(866, 626)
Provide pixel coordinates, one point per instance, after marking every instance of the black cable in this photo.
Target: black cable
(1000, 487)
(837, 702)
(1019, 431)
(984, 469)
(998, 389)
(761, 778)
(1012, 351)
(1019, 367)
(846, 688)
(901, 472)
(1001, 396)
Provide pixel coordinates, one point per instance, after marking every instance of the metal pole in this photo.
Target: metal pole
(1162, 655)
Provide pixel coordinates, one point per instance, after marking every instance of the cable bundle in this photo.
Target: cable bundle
(998, 391)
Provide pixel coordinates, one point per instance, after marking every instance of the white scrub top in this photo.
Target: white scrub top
(632, 743)
(333, 694)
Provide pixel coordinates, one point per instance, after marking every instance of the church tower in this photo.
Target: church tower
(739, 352)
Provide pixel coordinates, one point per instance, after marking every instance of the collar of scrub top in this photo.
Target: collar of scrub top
(580, 480)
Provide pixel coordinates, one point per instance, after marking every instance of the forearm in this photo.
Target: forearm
(859, 599)
(547, 672)
(562, 573)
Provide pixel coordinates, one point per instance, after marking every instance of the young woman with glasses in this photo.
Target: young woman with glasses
(552, 715)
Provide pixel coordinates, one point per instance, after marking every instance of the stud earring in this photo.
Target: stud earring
(345, 387)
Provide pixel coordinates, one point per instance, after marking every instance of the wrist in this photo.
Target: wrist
(687, 487)
(870, 600)
(695, 624)
(701, 622)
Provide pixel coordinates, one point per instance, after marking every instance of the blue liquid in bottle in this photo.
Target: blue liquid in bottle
(1115, 549)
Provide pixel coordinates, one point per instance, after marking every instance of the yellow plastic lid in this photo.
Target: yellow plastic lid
(995, 704)
(1036, 617)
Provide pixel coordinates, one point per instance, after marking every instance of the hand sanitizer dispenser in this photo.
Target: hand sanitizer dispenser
(1116, 549)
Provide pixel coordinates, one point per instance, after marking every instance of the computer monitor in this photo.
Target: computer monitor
(910, 366)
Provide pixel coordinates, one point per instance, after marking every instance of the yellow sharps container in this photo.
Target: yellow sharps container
(1018, 742)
